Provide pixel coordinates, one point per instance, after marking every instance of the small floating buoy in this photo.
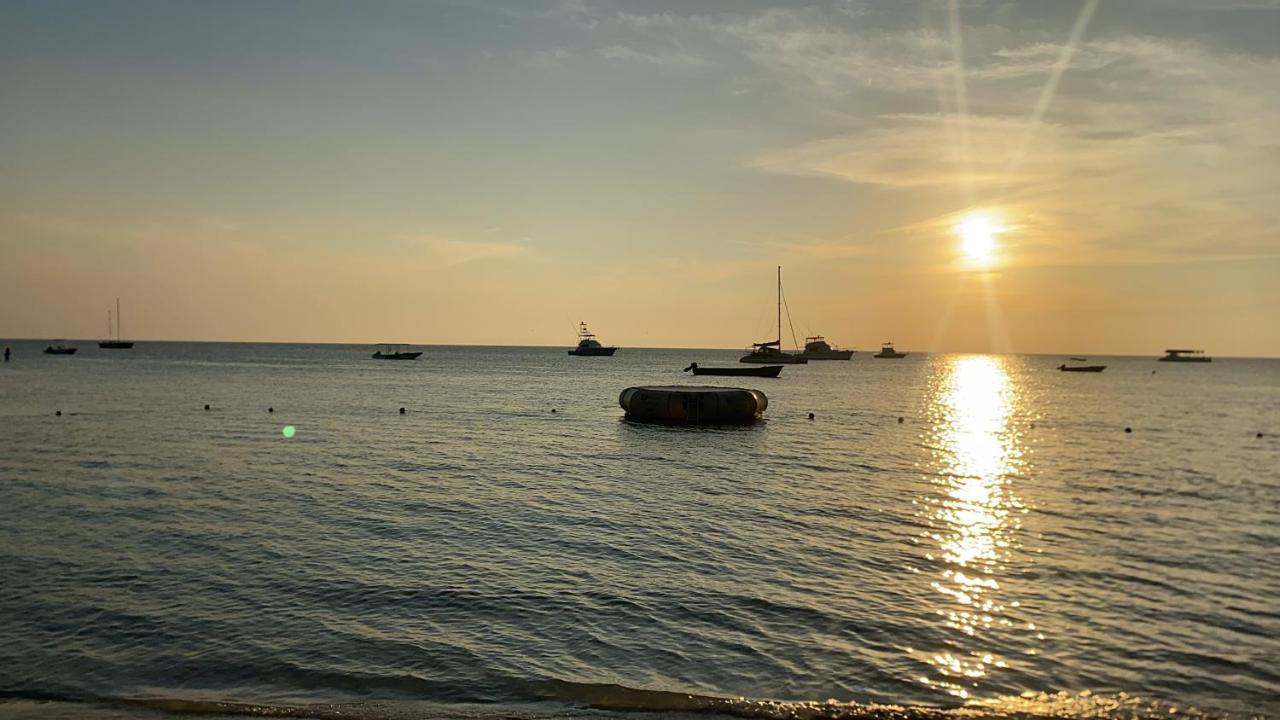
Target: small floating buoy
(58, 413)
(1128, 429)
(693, 405)
(553, 410)
(206, 406)
(1033, 426)
(271, 409)
(401, 411)
(810, 416)
(1259, 434)
(899, 420)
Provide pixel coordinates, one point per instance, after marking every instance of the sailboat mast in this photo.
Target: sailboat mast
(779, 308)
(108, 324)
(117, 318)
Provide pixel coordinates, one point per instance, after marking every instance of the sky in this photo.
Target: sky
(489, 172)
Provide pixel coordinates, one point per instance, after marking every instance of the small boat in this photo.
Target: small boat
(1174, 355)
(817, 348)
(887, 351)
(770, 371)
(59, 348)
(1082, 368)
(770, 353)
(116, 343)
(588, 346)
(392, 351)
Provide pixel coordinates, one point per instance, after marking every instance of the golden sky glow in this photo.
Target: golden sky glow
(492, 172)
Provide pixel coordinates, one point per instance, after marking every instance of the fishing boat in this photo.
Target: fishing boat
(588, 346)
(817, 348)
(59, 348)
(770, 371)
(770, 353)
(114, 343)
(1175, 355)
(393, 351)
(887, 351)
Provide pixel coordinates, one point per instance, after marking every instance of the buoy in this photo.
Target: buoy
(58, 413)
(1033, 426)
(1128, 429)
(553, 410)
(401, 411)
(693, 404)
(810, 416)
(206, 407)
(1259, 434)
(271, 409)
(899, 420)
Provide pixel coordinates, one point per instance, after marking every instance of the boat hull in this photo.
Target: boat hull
(889, 356)
(1186, 359)
(1083, 368)
(60, 351)
(770, 371)
(773, 359)
(594, 352)
(827, 355)
(115, 344)
(396, 356)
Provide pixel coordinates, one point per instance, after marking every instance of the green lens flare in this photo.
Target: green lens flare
(288, 431)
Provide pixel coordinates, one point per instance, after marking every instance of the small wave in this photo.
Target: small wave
(1031, 705)
(563, 699)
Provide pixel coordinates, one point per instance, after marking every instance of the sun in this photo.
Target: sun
(978, 233)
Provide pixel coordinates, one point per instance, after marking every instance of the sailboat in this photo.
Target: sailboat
(117, 343)
(770, 353)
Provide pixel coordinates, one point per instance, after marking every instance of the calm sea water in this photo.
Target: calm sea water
(1006, 546)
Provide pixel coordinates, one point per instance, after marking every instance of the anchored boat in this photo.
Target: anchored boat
(58, 348)
(1175, 355)
(588, 346)
(394, 351)
(1082, 368)
(887, 352)
(770, 371)
(817, 348)
(114, 343)
(771, 352)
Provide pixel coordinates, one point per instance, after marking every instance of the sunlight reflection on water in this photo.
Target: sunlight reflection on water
(973, 514)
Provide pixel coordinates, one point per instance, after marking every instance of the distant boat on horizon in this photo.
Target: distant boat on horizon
(1081, 368)
(588, 346)
(770, 352)
(1189, 356)
(887, 352)
(116, 343)
(817, 348)
(395, 351)
(60, 348)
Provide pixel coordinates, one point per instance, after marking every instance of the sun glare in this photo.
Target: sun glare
(978, 233)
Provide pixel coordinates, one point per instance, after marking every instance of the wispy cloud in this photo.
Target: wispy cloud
(438, 253)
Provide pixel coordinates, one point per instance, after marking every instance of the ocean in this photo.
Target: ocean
(949, 536)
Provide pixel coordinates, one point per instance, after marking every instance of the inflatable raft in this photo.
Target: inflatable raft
(693, 405)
